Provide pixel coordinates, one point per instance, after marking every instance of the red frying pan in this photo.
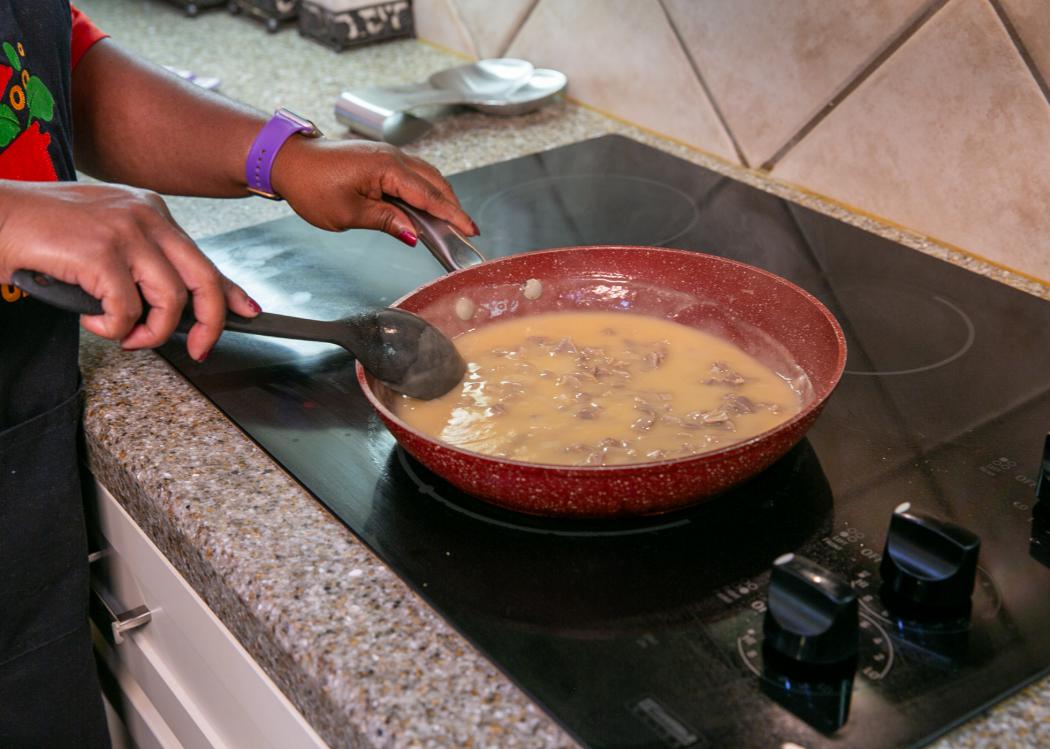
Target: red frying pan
(767, 316)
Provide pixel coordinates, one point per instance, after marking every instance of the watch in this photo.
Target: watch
(283, 125)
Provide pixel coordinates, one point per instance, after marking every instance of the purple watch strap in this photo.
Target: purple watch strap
(264, 150)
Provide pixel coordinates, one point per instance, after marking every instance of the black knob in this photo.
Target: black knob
(811, 616)
(928, 566)
(1039, 535)
(1039, 542)
(1042, 486)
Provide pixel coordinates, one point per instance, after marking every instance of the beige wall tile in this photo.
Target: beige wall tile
(438, 21)
(948, 137)
(492, 25)
(771, 65)
(1031, 19)
(623, 57)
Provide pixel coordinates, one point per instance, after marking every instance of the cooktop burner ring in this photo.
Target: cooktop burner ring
(493, 515)
(971, 335)
(647, 201)
(894, 328)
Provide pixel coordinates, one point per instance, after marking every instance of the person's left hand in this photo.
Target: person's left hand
(338, 185)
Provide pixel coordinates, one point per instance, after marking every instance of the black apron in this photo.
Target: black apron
(49, 692)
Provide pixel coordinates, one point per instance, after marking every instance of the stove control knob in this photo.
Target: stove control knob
(1039, 536)
(928, 566)
(1039, 540)
(811, 616)
(1042, 486)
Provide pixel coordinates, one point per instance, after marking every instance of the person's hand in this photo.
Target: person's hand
(117, 243)
(340, 185)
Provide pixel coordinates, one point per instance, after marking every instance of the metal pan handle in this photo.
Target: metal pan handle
(448, 246)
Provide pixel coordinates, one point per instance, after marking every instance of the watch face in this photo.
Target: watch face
(308, 128)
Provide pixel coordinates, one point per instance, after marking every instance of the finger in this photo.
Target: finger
(435, 178)
(204, 284)
(164, 293)
(112, 284)
(238, 301)
(420, 193)
(430, 173)
(385, 217)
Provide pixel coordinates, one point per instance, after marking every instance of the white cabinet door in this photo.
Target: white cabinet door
(181, 679)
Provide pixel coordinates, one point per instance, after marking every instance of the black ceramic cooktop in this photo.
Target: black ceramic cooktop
(650, 633)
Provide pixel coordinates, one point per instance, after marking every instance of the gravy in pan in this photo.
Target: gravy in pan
(601, 388)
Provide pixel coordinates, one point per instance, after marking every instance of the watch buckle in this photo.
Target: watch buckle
(263, 194)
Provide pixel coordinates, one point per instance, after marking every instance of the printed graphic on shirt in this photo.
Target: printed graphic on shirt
(26, 103)
(23, 144)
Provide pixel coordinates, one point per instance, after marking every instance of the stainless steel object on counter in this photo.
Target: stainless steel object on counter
(500, 86)
(542, 86)
(374, 120)
(479, 82)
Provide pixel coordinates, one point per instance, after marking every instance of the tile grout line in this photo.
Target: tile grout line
(916, 23)
(521, 24)
(453, 10)
(703, 85)
(1022, 50)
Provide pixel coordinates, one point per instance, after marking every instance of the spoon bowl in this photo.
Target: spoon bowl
(484, 79)
(541, 86)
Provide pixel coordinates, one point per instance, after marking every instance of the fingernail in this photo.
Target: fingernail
(254, 305)
(477, 231)
(204, 356)
(408, 238)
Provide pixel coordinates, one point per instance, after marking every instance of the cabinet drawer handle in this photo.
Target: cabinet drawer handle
(119, 623)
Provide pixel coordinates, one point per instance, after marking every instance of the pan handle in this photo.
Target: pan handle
(448, 246)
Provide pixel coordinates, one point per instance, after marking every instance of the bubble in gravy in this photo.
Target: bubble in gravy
(533, 288)
(465, 308)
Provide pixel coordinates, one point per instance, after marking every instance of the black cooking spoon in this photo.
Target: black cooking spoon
(397, 347)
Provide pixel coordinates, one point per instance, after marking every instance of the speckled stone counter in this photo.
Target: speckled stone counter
(365, 660)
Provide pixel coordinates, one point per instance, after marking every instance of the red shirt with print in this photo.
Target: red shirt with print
(28, 101)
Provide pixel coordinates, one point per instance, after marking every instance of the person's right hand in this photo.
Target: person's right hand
(117, 243)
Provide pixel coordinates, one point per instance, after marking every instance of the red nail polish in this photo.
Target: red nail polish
(408, 238)
(477, 231)
(204, 356)
(254, 305)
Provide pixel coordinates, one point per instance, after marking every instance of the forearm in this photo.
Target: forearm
(139, 125)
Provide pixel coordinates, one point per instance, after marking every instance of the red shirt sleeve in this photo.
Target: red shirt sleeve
(85, 33)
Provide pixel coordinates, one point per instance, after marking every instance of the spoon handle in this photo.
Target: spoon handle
(74, 299)
(65, 296)
(285, 326)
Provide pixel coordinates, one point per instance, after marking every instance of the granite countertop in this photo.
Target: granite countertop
(364, 659)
